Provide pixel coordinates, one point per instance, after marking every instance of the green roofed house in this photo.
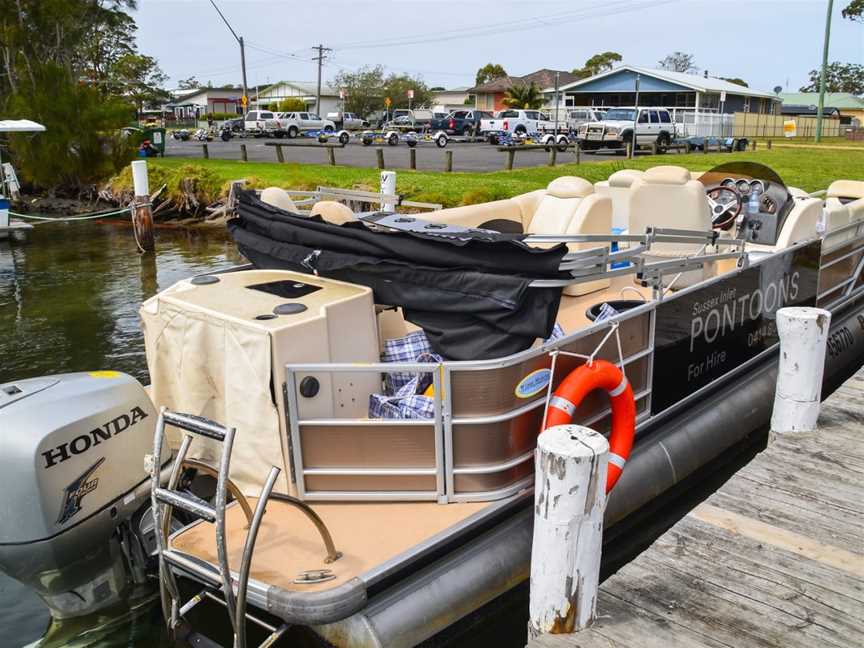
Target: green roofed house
(850, 107)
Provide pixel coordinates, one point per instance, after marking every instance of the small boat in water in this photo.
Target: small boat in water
(9, 185)
(341, 435)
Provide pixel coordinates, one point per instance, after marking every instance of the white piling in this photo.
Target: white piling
(569, 501)
(142, 216)
(803, 337)
(388, 189)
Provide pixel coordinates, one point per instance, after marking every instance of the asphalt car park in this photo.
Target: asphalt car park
(478, 156)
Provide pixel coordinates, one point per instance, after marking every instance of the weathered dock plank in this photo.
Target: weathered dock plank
(774, 558)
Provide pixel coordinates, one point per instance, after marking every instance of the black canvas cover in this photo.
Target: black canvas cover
(470, 294)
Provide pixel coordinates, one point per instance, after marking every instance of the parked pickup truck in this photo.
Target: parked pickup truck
(347, 121)
(518, 122)
(652, 125)
(460, 122)
(294, 123)
(262, 123)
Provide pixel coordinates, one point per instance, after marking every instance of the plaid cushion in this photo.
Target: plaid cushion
(403, 391)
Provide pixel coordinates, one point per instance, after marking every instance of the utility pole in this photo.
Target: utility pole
(824, 71)
(320, 58)
(242, 52)
(557, 101)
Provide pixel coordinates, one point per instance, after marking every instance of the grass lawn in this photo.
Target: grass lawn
(810, 169)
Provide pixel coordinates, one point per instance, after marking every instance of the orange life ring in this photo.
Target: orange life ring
(579, 383)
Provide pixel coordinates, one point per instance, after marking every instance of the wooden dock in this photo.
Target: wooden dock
(775, 558)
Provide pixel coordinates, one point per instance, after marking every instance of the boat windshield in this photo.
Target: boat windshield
(621, 114)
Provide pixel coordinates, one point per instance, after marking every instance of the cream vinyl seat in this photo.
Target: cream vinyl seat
(569, 208)
(667, 196)
(278, 197)
(617, 187)
(844, 204)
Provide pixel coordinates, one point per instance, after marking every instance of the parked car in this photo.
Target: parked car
(347, 121)
(460, 122)
(410, 119)
(615, 130)
(578, 116)
(262, 123)
(518, 122)
(234, 125)
(294, 123)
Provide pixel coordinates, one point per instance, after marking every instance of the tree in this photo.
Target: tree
(839, 77)
(489, 72)
(291, 104)
(139, 78)
(523, 96)
(190, 83)
(679, 62)
(736, 81)
(437, 89)
(396, 86)
(854, 11)
(598, 63)
(364, 89)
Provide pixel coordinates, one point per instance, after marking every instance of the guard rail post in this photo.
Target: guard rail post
(553, 156)
(206, 151)
(803, 339)
(280, 154)
(243, 155)
(142, 216)
(331, 155)
(511, 155)
(569, 502)
(448, 155)
(578, 151)
(379, 155)
(412, 159)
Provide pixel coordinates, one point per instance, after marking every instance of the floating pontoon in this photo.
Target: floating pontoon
(9, 185)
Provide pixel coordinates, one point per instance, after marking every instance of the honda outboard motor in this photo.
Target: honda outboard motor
(71, 480)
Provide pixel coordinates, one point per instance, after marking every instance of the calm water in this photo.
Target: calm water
(69, 298)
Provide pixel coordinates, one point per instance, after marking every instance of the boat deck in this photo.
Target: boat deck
(774, 558)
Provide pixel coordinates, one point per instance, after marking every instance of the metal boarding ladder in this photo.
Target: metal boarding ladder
(165, 499)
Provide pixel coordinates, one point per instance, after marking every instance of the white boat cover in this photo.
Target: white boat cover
(20, 126)
(211, 366)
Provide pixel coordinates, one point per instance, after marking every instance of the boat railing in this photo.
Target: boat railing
(441, 458)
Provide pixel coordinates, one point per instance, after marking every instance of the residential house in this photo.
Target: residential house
(306, 91)
(490, 95)
(848, 106)
(196, 103)
(617, 87)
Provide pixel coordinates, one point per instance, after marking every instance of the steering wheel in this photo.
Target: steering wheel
(725, 203)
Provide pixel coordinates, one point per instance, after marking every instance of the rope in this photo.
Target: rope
(116, 212)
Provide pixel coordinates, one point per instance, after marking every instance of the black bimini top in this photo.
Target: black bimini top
(470, 293)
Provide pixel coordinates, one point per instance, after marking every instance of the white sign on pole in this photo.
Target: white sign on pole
(341, 94)
(410, 94)
(722, 96)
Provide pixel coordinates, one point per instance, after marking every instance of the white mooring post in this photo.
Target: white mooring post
(142, 217)
(388, 188)
(569, 502)
(803, 338)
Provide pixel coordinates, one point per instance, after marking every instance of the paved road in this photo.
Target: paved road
(466, 157)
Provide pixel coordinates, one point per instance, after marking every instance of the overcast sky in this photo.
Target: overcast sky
(765, 42)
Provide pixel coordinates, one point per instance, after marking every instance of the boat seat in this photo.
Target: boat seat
(569, 208)
(617, 187)
(846, 190)
(332, 212)
(278, 197)
(667, 196)
(844, 204)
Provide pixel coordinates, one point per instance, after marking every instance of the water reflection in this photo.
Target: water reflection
(69, 298)
(69, 294)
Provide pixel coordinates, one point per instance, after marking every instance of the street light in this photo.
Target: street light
(242, 53)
